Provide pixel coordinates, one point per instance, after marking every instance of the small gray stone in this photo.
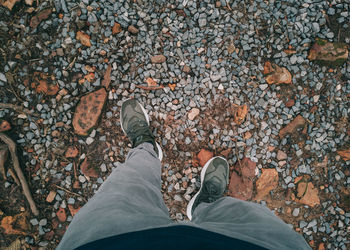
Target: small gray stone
(296, 212)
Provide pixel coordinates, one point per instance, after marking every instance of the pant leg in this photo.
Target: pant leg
(247, 221)
(129, 200)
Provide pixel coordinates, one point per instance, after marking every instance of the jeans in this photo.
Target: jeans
(131, 200)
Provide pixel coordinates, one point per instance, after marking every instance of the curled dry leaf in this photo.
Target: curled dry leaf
(276, 75)
(345, 154)
(240, 114)
(83, 38)
(327, 53)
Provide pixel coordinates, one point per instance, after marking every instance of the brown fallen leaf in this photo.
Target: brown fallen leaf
(83, 38)
(107, 77)
(267, 181)
(307, 194)
(291, 127)
(276, 75)
(88, 170)
(89, 68)
(4, 126)
(327, 53)
(17, 224)
(9, 3)
(42, 15)
(88, 111)
(116, 28)
(204, 156)
(345, 154)
(240, 114)
(71, 152)
(241, 181)
(46, 88)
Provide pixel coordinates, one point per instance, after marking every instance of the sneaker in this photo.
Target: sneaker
(135, 124)
(214, 180)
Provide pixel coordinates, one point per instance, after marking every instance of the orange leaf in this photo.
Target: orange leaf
(172, 86)
(47, 89)
(240, 114)
(345, 154)
(151, 82)
(17, 224)
(83, 38)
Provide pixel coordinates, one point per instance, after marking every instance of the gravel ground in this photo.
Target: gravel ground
(213, 55)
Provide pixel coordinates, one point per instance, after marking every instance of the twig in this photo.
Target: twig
(16, 108)
(12, 147)
(70, 192)
(12, 173)
(149, 87)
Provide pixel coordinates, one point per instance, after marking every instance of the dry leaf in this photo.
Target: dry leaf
(17, 224)
(47, 89)
(345, 154)
(9, 3)
(240, 114)
(172, 86)
(71, 152)
(276, 75)
(83, 38)
(327, 53)
(107, 77)
(42, 15)
(151, 82)
(88, 170)
(89, 68)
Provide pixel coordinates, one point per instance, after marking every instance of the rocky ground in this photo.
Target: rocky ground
(264, 83)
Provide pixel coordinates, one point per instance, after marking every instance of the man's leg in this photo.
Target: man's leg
(247, 221)
(129, 200)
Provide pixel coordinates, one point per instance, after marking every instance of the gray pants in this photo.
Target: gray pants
(130, 200)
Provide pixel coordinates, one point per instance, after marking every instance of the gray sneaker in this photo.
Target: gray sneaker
(135, 124)
(214, 180)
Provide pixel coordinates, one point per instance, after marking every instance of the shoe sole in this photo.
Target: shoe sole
(160, 156)
(204, 170)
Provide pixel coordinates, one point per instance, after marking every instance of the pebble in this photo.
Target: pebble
(295, 212)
